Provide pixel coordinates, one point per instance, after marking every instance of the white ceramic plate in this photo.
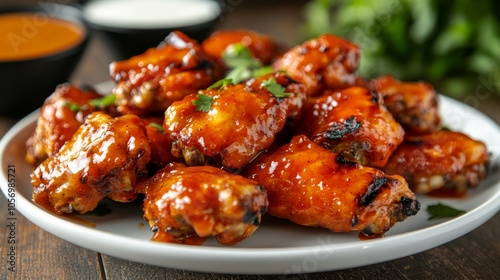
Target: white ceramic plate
(277, 247)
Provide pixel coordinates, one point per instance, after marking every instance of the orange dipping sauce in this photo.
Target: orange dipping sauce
(31, 35)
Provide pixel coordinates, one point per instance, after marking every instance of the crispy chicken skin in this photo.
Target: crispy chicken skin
(161, 145)
(413, 105)
(295, 92)
(314, 187)
(57, 122)
(320, 63)
(151, 81)
(241, 122)
(104, 158)
(353, 122)
(443, 160)
(263, 47)
(187, 204)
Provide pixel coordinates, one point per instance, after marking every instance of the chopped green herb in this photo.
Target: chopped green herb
(203, 102)
(220, 84)
(103, 102)
(237, 55)
(157, 126)
(73, 106)
(276, 89)
(239, 74)
(98, 103)
(443, 211)
(243, 65)
(262, 71)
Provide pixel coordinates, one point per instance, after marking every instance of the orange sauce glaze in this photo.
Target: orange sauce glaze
(32, 35)
(363, 237)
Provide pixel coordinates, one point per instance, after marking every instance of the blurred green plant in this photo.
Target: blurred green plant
(454, 44)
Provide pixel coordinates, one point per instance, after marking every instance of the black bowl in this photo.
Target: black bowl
(25, 84)
(127, 41)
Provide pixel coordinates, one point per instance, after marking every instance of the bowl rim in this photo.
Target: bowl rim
(68, 13)
(130, 29)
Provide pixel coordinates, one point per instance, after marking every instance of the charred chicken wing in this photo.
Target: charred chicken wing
(105, 157)
(60, 116)
(150, 82)
(226, 126)
(413, 105)
(353, 122)
(187, 204)
(320, 63)
(443, 160)
(314, 187)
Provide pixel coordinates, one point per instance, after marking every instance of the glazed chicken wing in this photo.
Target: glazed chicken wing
(104, 158)
(413, 105)
(60, 116)
(232, 126)
(314, 187)
(353, 122)
(150, 82)
(320, 63)
(161, 145)
(187, 204)
(443, 160)
(261, 46)
(293, 98)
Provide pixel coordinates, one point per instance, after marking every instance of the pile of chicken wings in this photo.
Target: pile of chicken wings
(212, 135)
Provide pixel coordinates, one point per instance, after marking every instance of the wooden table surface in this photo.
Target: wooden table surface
(41, 255)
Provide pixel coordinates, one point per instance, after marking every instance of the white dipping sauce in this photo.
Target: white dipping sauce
(150, 13)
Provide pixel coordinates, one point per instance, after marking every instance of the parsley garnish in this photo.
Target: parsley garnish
(220, 84)
(203, 102)
(262, 71)
(157, 126)
(101, 103)
(73, 106)
(443, 211)
(239, 74)
(237, 55)
(98, 103)
(242, 64)
(273, 87)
